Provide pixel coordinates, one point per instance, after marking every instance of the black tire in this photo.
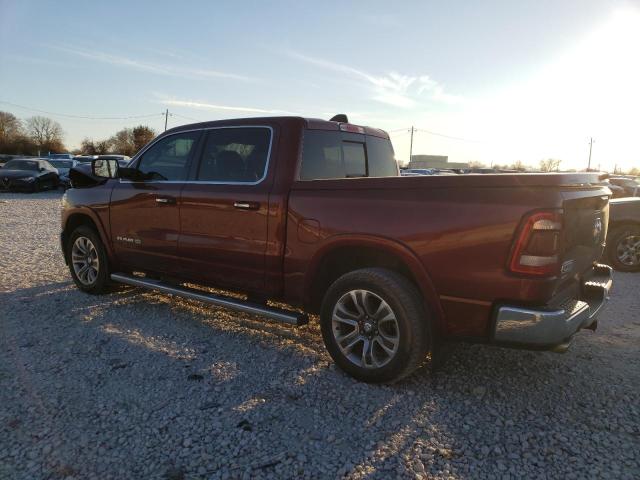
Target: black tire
(616, 243)
(101, 283)
(412, 324)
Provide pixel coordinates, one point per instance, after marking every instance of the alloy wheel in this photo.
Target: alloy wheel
(628, 250)
(84, 258)
(365, 329)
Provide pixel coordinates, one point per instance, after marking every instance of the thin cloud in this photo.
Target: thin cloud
(393, 88)
(159, 69)
(212, 106)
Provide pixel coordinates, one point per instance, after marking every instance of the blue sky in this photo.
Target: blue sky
(510, 80)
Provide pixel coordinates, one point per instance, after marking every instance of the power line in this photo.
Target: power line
(412, 130)
(85, 117)
(185, 117)
(447, 136)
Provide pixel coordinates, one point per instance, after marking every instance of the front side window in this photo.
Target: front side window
(237, 155)
(168, 158)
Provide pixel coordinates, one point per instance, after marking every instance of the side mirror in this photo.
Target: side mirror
(41, 169)
(104, 168)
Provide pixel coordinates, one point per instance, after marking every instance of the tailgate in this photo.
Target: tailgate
(586, 218)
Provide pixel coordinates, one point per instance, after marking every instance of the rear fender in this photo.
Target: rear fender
(394, 248)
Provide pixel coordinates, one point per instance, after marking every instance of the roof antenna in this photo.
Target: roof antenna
(341, 117)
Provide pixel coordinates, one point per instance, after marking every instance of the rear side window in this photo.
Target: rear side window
(235, 155)
(330, 155)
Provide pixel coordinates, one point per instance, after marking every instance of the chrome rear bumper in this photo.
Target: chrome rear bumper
(552, 328)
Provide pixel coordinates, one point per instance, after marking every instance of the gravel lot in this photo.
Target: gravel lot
(142, 385)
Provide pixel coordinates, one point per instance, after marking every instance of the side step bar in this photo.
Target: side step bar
(277, 314)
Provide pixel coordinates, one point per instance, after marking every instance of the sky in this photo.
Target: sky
(495, 81)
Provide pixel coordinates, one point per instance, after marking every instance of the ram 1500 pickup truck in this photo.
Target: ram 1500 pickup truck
(314, 214)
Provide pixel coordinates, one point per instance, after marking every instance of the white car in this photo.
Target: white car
(63, 167)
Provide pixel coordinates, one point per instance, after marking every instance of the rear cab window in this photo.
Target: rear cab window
(333, 155)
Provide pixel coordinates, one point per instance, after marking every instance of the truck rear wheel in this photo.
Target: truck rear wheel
(87, 259)
(374, 325)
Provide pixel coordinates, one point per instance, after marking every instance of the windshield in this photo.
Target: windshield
(22, 165)
(61, 163)
(60, 155)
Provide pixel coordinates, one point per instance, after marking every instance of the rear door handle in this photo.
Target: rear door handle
(246, 205)
(166, 200)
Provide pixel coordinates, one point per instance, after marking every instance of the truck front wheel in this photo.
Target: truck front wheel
(88, 261)
(374, 325)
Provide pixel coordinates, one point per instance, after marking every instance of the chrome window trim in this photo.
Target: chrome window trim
(206, 182)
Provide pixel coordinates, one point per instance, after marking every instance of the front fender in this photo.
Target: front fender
(73, 216)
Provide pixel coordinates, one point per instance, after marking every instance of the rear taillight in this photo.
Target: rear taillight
(537, 248)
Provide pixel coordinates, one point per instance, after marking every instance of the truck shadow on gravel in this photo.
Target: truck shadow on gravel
(204, 379)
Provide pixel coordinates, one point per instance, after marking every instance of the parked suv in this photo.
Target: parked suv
(314, 214)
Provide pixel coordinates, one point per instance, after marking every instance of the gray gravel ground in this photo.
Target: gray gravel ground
(142, 385)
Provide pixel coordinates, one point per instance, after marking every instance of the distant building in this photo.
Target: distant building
(434, 161)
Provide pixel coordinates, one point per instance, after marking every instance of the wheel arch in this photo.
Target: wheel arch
(90, 219)
(342, 254)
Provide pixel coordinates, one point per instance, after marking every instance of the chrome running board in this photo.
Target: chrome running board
(277, 314)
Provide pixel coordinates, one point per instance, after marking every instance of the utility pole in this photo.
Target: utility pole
(411, 145)
(590, 147)
(166, 117)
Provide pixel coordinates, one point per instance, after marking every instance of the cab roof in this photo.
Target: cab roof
(308, 123)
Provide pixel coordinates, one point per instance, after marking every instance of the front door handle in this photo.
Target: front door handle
(246, 205)
(166, 200)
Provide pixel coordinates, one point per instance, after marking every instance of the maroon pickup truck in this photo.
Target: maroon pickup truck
(314, 214)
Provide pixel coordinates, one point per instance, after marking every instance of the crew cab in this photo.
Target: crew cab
(314, 214)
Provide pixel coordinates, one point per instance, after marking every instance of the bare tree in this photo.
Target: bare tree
(550, 165)
(88, 147)
(141, 136)
(10, 127)
(45, 133)
(476, 164)
(519, 166)
(103, 147)
(122, 142)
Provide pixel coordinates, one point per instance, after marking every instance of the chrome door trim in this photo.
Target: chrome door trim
(206, 182)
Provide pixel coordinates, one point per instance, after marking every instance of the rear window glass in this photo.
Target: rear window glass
(382, 160)
(330, 155)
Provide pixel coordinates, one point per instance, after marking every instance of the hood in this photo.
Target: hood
(17, 173)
